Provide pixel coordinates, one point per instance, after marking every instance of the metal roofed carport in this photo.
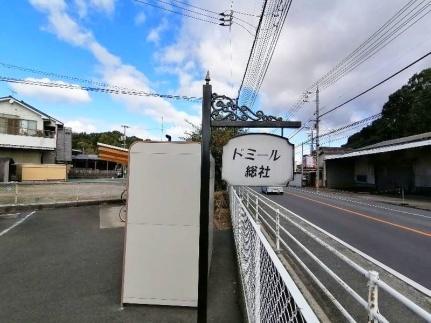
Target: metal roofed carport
(399, 164)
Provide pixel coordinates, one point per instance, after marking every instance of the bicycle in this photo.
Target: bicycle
(123, 210)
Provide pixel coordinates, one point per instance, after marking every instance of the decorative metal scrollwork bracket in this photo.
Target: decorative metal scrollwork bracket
(226, 113)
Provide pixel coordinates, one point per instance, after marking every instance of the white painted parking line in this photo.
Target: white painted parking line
(17, 223)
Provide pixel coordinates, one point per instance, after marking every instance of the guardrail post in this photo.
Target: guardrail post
(257, 211)
(16, 193)
(277, 231)
(257, 280)
(373, 296)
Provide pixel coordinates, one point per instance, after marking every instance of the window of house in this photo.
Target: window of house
(28, 127)
(3, 125)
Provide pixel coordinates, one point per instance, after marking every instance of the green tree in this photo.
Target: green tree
(219, 138)
(406, 113)
(87, 142)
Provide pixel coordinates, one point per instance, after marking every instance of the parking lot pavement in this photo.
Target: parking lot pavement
(59, 265)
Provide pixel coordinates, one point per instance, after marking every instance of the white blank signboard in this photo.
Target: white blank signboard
(162, 227)
(258, 160)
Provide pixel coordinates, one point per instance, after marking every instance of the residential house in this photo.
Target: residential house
(28, 135)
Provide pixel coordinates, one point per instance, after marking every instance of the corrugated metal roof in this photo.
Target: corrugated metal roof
(382, 149)
(422, 136)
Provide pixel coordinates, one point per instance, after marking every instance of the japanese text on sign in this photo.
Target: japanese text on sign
(257, 159)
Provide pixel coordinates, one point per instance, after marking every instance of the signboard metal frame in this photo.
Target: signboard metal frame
(271, 135)
(221, 111)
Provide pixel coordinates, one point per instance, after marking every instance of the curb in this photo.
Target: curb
(39, 206)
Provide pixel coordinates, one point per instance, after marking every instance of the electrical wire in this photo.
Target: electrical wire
(266, 39)
(389, 31)
(252, 47)
(269, 58)
(362, 93)
(98, 89)
(188, 10)
(178, 13)
(382, 43)
(376, 85)
(354, 125)
(71, 78)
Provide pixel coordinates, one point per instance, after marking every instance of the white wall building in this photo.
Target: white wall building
(28, 135)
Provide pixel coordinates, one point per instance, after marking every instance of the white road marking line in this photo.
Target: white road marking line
(361, 203)
(392, 271)
(16, 223)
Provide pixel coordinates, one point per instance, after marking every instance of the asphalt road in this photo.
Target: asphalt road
(65, 265)
(399, 237)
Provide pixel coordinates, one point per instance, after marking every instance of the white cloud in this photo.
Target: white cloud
(83, 6)
(51, 94)
(140, 18)
(111, 68)
(155, 33)
(81, 125)
(107, 6)
(315, 37)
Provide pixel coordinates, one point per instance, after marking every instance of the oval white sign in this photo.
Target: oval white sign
(258, 160)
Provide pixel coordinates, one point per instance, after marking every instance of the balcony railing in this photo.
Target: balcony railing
(19, 131)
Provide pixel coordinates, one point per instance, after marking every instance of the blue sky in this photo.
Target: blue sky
(129, 44)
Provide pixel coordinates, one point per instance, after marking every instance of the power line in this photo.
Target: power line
(381, 43)
(246, 13)
(260, 53)
(118, 91)
(270, 24)
(269, 58)
(253, 46)
(348, 126)
(211, 11)
(185, 9)
(178, 13)
(389, 31)
(97, 84)
(196, 7)
(360, 94)
(376, 85)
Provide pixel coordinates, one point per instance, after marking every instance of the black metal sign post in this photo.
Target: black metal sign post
(221, 111)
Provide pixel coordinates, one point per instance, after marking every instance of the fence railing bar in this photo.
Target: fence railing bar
(397, 295)
(319, 283)
(267, 224)
(298, 298)
(338, 279)
(411, 305)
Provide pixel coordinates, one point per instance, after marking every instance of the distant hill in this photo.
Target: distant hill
(87, 142)
(407, 112)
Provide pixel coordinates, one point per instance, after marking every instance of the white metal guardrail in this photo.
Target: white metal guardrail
(260, 207)
(270, 293)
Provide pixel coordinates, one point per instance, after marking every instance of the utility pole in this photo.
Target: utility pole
(124, 134)
(311, 141)
(302, 163)
(161, 137)
(317, 138)
(123, 167)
